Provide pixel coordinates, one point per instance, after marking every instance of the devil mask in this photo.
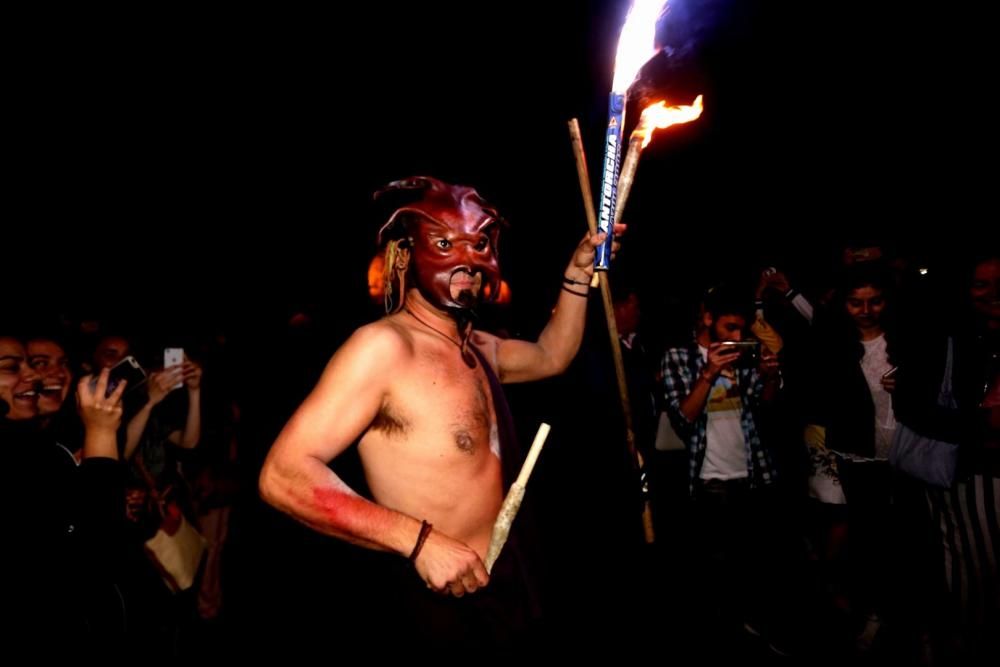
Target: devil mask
(451, 234)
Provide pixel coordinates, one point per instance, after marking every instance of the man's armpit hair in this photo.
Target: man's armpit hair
(389, 422)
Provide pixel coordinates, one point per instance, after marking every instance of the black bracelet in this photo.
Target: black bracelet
(425, 530)
(570, 281)
(573, 291)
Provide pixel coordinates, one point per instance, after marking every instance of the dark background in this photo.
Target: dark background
(188, 172)
(242, 146)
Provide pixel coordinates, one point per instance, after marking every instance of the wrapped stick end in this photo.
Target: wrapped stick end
(501, 527)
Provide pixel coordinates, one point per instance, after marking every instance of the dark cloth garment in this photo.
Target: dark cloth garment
(70, 524)
(66, 427)
(598, 372)
(523, 539)
(964, 519)
(874, 558)
(976, 364)
(844, 403)
(742, 564)
(158, 465)
(640, 374)
(500, 616)
(158, 455)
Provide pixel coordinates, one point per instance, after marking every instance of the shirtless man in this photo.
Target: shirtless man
(417, 398)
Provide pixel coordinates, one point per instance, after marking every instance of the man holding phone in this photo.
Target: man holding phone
(711, 400)
(712, 403)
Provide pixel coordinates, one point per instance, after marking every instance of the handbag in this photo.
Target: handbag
(824, 476)
(177, 554)
(667, 439)
(928, 459)
(177, 548)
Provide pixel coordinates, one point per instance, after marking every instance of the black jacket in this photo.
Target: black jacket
(69, 523)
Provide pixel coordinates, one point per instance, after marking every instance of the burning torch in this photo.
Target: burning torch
(636, 45)
(657, 116)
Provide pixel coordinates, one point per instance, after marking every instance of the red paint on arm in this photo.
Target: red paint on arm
(361, 521)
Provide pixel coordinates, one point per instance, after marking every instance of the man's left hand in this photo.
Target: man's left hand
(583, 258)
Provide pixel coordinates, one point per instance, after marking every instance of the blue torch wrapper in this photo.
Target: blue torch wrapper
(609, 178)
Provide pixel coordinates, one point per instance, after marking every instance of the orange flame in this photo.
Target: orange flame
(659, 116)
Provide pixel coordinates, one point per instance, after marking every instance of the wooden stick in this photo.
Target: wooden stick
(627, 175)
(584, 178)
(512, 502)
(532, 457)
(609, 312)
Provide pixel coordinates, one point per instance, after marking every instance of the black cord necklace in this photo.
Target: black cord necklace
(432, 327)
(460, 344)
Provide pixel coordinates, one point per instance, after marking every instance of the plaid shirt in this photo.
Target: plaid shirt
(680, 369)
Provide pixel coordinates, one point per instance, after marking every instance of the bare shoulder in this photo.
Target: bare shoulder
(379, 345)
(348, 396)
(386, 336)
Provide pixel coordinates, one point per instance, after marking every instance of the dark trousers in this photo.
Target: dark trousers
(742, 558)
(870, 526)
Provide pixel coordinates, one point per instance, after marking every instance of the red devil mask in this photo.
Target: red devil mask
(452, 234)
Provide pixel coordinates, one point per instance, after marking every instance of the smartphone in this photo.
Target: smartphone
(741, 345)
(749, 350)
(126, 369)
(173, 356)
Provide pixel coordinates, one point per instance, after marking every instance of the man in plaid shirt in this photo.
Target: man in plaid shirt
(712, 390)
(711, 398)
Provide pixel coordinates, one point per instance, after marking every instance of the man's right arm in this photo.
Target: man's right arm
(689, 400)
(692, 405)
(295, 477)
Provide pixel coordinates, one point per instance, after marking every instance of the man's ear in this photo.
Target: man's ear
(707, 321)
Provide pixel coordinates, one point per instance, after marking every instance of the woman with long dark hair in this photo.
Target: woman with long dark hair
(854, 380)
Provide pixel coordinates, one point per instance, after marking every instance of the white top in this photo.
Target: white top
(874, 365)
(725, 446)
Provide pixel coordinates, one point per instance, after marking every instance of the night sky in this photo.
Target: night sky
(823, 123)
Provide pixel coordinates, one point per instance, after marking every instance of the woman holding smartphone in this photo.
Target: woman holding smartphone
(854, 381)
(69, 515)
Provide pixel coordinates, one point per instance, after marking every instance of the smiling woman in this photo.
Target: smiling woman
(17, 381)
(71, 531)
(48, 358)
